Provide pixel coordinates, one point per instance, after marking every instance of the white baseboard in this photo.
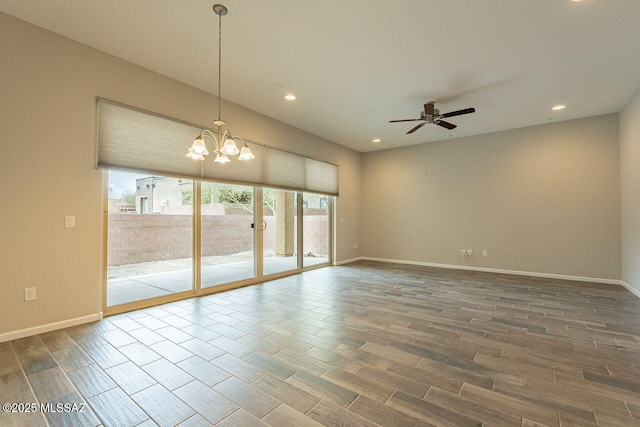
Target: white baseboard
(630, 288)
(347, 261)
(499, 271)
(40, 329)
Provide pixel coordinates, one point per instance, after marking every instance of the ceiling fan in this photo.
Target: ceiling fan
(432, 115)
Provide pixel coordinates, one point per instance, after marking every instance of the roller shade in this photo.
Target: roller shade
(139, 141)
(321, 177)
(285, 169)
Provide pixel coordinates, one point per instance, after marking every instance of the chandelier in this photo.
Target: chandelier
(225, 144)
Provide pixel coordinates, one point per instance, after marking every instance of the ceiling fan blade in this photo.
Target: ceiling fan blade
(404, 120)
(429, 108)
(416, 128)
(459, 112)
(446, 124)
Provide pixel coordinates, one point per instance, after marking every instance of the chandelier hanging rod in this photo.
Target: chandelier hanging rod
(225, 144)
(220, 10)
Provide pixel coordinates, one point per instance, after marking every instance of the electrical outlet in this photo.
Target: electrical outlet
(464, 253)
(469, 252)
(485, 253)
(355, 246)
(29, 294)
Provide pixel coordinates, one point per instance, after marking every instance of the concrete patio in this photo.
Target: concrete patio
(140, 287)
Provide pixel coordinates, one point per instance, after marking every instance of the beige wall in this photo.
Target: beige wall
(630, 191)
(542, 199)
(48, 86)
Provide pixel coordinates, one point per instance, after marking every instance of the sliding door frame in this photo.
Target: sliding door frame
(197, 290)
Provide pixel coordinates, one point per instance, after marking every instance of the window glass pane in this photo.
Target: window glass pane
(227, 235)
(315, 226)
(280, 235)
(150, 237)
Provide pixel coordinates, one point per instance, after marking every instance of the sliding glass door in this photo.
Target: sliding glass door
(280, 231)
(169, 238)
(227, 233)
(316, 226)
(150, 237)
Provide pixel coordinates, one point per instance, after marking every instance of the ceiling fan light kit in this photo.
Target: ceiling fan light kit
(431, 115)
(224, 143)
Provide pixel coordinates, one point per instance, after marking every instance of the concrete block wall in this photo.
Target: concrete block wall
(141, 238)
(315, 234)
(226, 234)
(135, 238)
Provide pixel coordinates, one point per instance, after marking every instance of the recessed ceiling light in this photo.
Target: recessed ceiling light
(559, 107)
(376, 140)
(290, 97)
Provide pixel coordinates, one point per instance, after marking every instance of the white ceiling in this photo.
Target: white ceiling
(356, 64)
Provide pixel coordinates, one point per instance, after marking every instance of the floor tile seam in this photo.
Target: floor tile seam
(137, 391)
(173, 394)
(64, 371)
(26, 377)
(591, 407)
(306, 414)
(86, 399)
(271, 411)
(83, 352)
(130, 397)
(226, 416)
(252, 381)
(130, 330)
(375, 381)
(626, 404)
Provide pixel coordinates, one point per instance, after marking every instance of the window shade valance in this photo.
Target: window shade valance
(136, 140)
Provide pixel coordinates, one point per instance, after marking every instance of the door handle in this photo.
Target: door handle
(264, 225)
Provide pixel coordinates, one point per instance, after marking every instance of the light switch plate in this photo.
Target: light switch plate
(70, 221)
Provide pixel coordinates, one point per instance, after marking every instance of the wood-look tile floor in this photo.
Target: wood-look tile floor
(359, 345)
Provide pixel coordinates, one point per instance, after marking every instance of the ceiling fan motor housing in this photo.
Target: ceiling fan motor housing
(430, 118)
